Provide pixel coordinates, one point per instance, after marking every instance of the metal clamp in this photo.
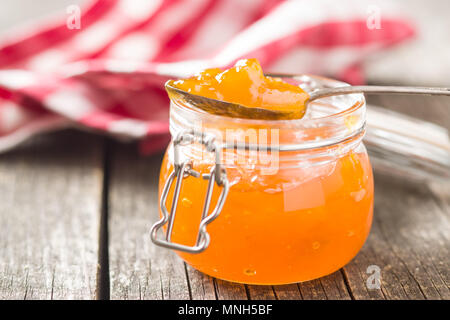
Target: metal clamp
(183, 170)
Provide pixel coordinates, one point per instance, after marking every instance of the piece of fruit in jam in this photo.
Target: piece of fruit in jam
(245, 84)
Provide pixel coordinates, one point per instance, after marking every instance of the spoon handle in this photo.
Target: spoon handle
(329, 92)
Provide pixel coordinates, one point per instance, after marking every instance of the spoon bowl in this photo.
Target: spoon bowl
(228, 109)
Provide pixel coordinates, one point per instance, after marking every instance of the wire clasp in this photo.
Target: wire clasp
(183, 170)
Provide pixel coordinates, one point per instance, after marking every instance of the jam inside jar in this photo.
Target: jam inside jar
(300, 198)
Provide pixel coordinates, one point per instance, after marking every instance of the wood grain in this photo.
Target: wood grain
(202, 286)
(50, 199)
(230, 291)
(261, 292)
(331, 287)
(50, 191)
(139, 269)
(409, 240)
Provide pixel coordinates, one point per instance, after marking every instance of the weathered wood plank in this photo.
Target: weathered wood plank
(404, 230)
(335, 287)
(312, 290)
(204, 287)
(230, 291)
(261, 292)
(139, 269)
(50, 199)
(288, 292)
(409, 240)
(331, 287)
(355, 272)
(201, 285)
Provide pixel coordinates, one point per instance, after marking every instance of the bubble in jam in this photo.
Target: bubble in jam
(245, 84)
(186, 202)
(249, 272)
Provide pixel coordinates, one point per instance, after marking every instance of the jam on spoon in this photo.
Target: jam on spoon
(244, 86)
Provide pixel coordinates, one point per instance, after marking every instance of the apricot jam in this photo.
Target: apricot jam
(246, 84)
(304, 219)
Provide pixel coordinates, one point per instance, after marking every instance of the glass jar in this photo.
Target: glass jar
(267, 201)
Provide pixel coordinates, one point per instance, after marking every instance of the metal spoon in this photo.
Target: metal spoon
(239, 111)
(329, 92)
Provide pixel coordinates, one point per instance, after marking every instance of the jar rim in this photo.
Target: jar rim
(335, 122)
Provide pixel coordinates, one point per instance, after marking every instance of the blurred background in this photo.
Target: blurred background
(377, 42)
(422, 61)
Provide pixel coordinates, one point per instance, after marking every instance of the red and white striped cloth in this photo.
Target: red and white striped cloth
(108, 75)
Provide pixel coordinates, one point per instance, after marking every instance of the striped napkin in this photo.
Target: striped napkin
(104, 71)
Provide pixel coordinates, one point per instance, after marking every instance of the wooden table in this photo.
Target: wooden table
(75, 212)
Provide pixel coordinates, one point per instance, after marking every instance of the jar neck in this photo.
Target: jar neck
(331, 127)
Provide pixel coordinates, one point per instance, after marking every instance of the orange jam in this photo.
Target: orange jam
(245, 84)
(300, 222)
(282, 228)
